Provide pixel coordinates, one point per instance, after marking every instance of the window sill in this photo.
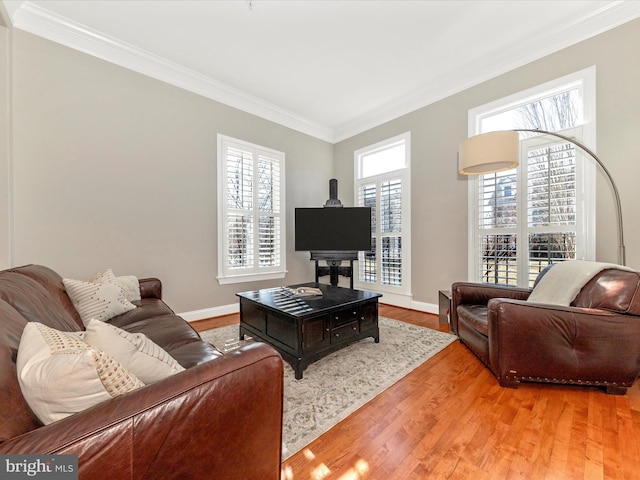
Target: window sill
(252, 277)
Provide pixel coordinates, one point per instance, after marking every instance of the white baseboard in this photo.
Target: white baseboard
(425, 307)
(210, 312)
(406, 301)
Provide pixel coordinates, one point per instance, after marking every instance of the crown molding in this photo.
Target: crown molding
(610, 16)
(44, 23)
(34, 19)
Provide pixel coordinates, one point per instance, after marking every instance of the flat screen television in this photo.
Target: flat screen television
(333, 228)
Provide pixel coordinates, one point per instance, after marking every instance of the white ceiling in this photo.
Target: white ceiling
(327, 68)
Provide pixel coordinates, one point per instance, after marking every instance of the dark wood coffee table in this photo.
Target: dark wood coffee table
(305, 329)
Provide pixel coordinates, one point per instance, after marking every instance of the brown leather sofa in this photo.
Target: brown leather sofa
(595, 341)
(220, 418)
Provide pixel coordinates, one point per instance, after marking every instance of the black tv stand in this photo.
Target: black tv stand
(334, 266)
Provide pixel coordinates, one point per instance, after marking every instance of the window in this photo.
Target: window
(541, 212)
(251, 226)
(382, 183)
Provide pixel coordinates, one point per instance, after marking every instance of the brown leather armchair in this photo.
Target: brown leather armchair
(595, 341)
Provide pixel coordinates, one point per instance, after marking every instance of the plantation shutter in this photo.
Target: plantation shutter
(391, 231)
(498, 227)
(239, 207)
(551, 205)
(383, 263)
(252, 209)
(269, 211)
(367, 197)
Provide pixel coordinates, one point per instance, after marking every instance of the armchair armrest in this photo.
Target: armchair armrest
(481, 293)
(560, 344)
(150, 288)
(468, 293)
(220, 418)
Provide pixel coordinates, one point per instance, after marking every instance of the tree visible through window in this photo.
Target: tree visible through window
(529, 217)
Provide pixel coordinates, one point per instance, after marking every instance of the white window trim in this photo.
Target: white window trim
(224, 276)
(586, 79)
(405, 174)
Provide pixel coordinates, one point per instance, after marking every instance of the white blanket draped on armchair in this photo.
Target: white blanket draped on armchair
(562, 283)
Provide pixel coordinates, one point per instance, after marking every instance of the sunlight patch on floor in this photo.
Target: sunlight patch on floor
(321, 471)
(357, 472)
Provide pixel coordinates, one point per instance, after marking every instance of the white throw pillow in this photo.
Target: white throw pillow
(129, 283)
(104, 277)
(101, 301)
(60, 375)
(131, 287)
(135, 351)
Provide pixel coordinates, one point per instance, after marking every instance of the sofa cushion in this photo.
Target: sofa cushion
(148, 308)
(59, 374)
(168, 331)
(475, 316)
(34, 302)
(100, 301)
(144, 358)
(15, 415)
(52, 283)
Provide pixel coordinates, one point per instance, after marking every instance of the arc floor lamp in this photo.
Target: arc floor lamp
(496, 151)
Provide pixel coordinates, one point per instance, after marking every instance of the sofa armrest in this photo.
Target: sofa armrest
(562, 344)
(222, 418)
(150, 288)
(468, 293)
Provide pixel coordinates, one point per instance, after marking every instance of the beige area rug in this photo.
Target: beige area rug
(337, 385)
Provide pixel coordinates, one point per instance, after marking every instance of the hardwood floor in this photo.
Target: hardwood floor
(450, 419)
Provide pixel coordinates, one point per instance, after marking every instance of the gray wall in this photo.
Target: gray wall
(439, 194)
(115, 169)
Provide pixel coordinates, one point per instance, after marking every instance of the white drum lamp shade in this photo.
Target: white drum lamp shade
(489, 152)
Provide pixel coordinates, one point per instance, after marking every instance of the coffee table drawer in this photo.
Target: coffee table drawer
(342, 317)
(342, 333)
